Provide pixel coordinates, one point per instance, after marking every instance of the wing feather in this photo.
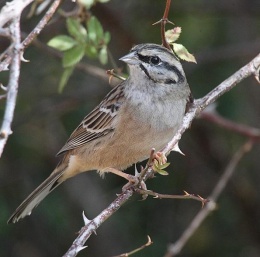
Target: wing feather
(97, 123)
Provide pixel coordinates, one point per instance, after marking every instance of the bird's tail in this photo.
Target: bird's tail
(26, 207)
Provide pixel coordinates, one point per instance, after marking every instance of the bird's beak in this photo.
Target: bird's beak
(130, 58)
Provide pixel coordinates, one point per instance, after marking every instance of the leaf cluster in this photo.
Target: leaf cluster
(181, 51)
(87, 39)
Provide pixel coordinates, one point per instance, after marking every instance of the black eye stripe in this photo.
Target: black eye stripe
(149, 59)
(173, 68)
(144, 58)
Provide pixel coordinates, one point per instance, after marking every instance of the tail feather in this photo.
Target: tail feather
(26, 207)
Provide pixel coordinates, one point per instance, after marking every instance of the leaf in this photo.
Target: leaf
(62, 42)
(103, 55)
(161, 172)
(65, 77)
(159, 168)
(87, 3)
(76, 30)
(95, 30)
(106, 37)
(173, 34)
(164, 166)
(183, 53)
(73, 56)
(91, 51)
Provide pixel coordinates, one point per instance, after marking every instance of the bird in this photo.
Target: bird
(140, 113)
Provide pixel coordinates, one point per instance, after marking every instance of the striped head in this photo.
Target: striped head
(155, 63)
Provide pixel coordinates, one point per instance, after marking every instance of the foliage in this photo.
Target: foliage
(87, 39)
(181, 51)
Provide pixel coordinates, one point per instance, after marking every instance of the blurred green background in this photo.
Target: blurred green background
(224, 36)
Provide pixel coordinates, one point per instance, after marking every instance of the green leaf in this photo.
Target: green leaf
(164, 166)
(103, 55)
(76, 30)
(158, 167)
(87, 3)
(106, 37)
(73, 56)
(95, 30)
(91, 51)
(65, 77)
(103, 1)
(173, 34)
(62, 42)
(183, 53)
(163, 172)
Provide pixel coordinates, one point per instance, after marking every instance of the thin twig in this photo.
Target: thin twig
(163, 22)
(186, 196)
(175, 248)
(12, 87)
(148, 243)
(42, 23)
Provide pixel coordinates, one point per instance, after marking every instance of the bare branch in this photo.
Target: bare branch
(14, 55)
(148, 243)
(186, 196)
(12, 87)
(42, 23)
(175, 248)
(12, 10)
(91, 225)
(163, 22)
(28, 40)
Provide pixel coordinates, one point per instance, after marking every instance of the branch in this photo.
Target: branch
(11, 13)
(12, 87)
(28, 40)
(148, 243)
(12, 10)
(186, 196)
(175, 248)
(91, 225)
(163, 22)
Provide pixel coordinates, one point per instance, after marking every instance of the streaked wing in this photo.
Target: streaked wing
(98, 123)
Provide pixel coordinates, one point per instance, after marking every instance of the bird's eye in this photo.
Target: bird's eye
(155, 60)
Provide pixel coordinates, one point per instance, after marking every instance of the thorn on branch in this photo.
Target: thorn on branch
(3, 87)
(80, 248)
(257, 74)
(86, 220)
